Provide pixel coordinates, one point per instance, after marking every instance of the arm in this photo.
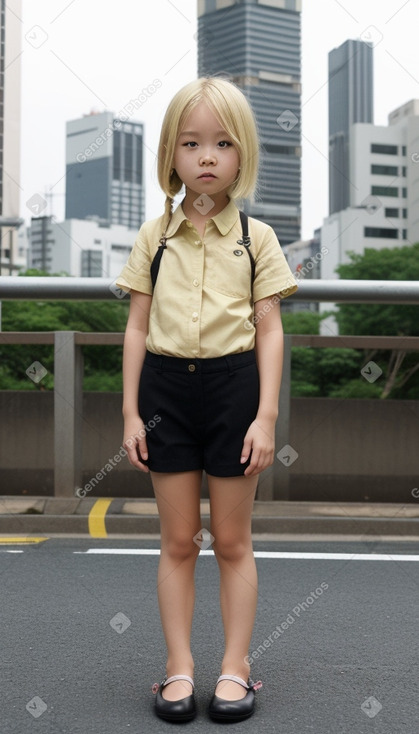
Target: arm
(133, 357)
(269, 345)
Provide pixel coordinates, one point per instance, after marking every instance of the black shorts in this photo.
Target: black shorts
(197, 411)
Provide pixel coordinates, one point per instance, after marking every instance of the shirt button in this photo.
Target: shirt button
(196, 282)
(198, 242)
(189, 224)
(195, 316)
(191, 367)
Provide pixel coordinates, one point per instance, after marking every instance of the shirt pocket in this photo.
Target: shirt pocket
(229, 271)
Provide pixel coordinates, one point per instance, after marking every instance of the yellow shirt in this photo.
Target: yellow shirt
(201, 304)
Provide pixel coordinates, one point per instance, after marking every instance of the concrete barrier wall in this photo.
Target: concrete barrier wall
(348, 450)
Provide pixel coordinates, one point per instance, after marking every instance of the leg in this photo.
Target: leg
(178, 502)
(231, 504)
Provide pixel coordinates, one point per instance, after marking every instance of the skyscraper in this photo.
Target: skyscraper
(256, 43)
(350, 101)
(10, 73)
(104, 169)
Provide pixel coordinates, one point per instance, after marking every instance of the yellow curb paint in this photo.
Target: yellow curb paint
(97, 514)
(22, 540)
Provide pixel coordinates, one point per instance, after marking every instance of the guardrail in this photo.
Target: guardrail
(68, 358)
(91, 289)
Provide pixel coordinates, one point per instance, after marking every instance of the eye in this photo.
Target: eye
(189, 144)
(224, 144)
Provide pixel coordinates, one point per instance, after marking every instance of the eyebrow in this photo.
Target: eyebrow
(195, 132)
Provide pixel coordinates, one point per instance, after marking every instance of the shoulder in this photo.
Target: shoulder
(260, 227)
(150, 228)
(261, 233)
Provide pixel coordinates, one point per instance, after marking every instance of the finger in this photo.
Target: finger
(247, 447)
(142, 447)
(134, 458)
(255, 463)
(261, 459)
(142, 456)
(137, 461)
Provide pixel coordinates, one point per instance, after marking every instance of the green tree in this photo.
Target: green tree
(102, 365)
(318, 372)
(399, 366)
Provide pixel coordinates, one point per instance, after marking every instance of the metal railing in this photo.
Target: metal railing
(91, 289)
(68, 358)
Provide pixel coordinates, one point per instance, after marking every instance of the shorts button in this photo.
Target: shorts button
(191, 367)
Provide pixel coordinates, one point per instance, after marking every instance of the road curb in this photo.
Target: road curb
(100, 517)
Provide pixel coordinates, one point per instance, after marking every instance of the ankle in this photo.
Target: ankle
(241, 669)
(180, 666)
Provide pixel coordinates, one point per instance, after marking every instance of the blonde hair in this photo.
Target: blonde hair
(234, 113)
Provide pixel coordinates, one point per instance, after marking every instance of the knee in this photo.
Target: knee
(180, 547)
(231, 548)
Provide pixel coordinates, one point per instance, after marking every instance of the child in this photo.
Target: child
(202, 376)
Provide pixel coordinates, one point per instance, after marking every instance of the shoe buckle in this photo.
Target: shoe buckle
(155, 687)
(256, 686)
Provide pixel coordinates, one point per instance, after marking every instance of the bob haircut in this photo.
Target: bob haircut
(233, 111)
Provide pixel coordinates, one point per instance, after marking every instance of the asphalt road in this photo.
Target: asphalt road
(338, 639)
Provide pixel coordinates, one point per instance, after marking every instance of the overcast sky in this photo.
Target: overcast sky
(81, 55)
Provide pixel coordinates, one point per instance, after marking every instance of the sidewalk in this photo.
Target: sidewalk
(100, 517)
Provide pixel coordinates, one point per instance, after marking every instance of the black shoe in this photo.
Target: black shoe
(183, 709)
(221, 709)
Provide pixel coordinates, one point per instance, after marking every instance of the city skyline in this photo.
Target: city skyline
(59, 86)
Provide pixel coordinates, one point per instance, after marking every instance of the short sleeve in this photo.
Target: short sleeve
(135, 274)
(272, 273)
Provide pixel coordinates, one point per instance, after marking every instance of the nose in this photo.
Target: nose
(207, 158)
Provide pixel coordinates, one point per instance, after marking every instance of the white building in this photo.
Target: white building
(303, 257)
(79, 247)
(384, 185)
(10, 84)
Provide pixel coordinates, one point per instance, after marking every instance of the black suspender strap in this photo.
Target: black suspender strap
(247, 242)
(155, 265)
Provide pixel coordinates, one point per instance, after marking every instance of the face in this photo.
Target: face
(205, 158)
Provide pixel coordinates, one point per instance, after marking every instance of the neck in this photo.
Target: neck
(192, 211)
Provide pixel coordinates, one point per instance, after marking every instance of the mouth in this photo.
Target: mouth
(207, 175)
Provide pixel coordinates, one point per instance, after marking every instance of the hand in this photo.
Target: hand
(135, 443)
(260, 440)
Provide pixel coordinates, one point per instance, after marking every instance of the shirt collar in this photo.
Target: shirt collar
(224, 220)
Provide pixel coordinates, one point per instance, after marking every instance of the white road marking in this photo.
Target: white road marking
(264, 554)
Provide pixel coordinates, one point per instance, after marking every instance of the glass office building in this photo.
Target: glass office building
(104, 170)
(256, 44)
(350, 101)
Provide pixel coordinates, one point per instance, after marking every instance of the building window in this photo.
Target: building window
(138, 159)
(404, 151)
(91, 263)
(384, 190)
(404, 213)
(122, 248)
(385, 149)
(117, 155)
(404, 192)
(388, 234)
(404, 171)
(385, 170)
(391, 213)
(405, 234)
(128, 158)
